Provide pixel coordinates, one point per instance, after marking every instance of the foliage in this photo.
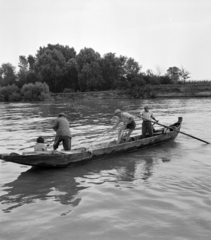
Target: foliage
(174, 74)
(87, 55)
(90, 77)
(51, 66)
(35, 92)
(111, 70)
(68, 90)
(66, 51)
(60, 67)
(184, 74)
(131, 66)
(31, 61)
(23, 70)
(29, 92)
(165, 80)
(7, 74)
(152, 79)
(10, 93)
(72, 74)
(89, 71)
(145, 91)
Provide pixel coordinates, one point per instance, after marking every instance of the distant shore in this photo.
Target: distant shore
(156, 91)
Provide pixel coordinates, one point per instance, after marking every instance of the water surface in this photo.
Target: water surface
(161, 192)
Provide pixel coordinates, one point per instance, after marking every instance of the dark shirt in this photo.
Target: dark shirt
(61, 126)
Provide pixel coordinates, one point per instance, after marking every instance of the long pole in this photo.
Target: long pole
(175, 130)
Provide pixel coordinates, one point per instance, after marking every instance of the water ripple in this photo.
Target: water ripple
(162, 192)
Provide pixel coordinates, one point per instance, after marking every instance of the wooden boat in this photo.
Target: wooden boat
(66, 158)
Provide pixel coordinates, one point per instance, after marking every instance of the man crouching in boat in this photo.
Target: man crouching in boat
(63, 134)
(128, 124)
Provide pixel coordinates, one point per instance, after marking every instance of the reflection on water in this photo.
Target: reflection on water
(148, 169)
(161, 192)
(36, 184)
(64, 185)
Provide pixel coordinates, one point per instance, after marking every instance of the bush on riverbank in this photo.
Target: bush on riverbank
(29, 92)
(10, 93)
(146, 91)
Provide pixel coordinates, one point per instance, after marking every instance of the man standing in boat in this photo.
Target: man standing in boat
(63, 134)
(128, 124)
(147, 115)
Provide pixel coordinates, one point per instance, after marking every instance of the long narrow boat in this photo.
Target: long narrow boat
(66, 158)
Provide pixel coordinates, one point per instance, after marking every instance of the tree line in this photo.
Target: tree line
(63, 70)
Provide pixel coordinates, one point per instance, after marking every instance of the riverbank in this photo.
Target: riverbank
(153, 91)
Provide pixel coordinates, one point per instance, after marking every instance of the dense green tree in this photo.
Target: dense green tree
(23, 70)
(110, 66)
(72, 75)
(131, 66)
(23, 63)
(89, 71)
(31, 61)
(50, 67)
(119, 82)
(66, 51)
(90, 78)
(87, 55)
(7, 74)
(26, 73)
(174, 74)
(129, 70)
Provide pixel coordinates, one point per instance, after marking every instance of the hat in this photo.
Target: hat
(62, 115)
(146, 107)
(117, 111)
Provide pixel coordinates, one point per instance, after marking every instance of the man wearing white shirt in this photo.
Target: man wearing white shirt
(146, 124)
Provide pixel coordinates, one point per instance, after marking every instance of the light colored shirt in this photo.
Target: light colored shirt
(61, 126)
(147, 115)
(40, 147)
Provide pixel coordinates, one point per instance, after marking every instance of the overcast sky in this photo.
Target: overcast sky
(158, 34)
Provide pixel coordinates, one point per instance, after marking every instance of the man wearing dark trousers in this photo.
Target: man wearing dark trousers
(63, 134)
(146, 124)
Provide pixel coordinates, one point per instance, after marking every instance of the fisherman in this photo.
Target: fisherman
(147, 115)
(63, 134)
(128, 124)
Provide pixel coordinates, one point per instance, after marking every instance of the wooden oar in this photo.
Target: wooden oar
(175, 130)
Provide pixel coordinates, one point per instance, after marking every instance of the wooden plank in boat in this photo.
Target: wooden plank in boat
(79, 150)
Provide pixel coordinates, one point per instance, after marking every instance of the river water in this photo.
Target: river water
(161, 192)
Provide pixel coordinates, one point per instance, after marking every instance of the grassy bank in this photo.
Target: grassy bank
(148, 91)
